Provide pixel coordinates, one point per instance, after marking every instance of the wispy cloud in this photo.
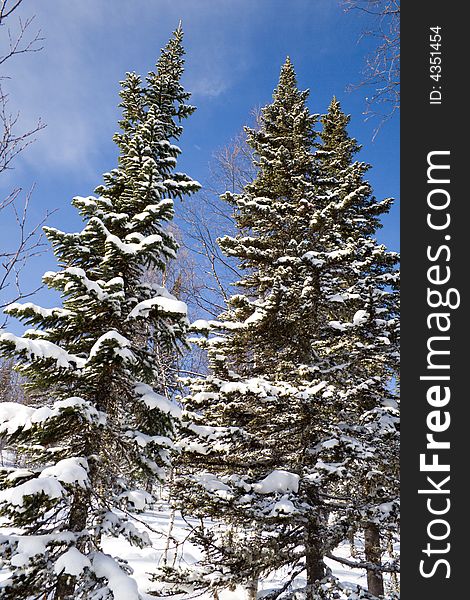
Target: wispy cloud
(62, 86)
(72, 83)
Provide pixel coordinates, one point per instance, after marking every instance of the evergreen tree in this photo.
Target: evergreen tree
(274, 427)
(367, 281)
(259, 409)
(106, 429)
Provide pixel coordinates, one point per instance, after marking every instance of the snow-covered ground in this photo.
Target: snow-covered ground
(158, 524)
(144, 561)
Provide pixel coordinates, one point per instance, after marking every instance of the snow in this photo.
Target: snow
(171, 183)
(212, 484)
(343, 253)
(16, 495)
(277, 481)
(14, 416)
(72, 562)
(29, 307)
(68, 470)
(255, 317)
(144, 561)
(282, 507)
(211, 433)
(143, 439)
(386, 508)
(78, 403)
(152, 210)
(311, 258)
(120, 584)
(338, 325)
(254, 385)
(316, 388)
(336, 298)
(166, 305)
(85, 200)
(337, 468)
(153, 400)
(122, 343)
(91, 286)
(132, 248)
(330, 443)
(29, 546)
(231, 387)
(19, 474)
(138, 498)
(360, 317)
(200, 397)
(204, 326)
(213, 438)
(42, 349)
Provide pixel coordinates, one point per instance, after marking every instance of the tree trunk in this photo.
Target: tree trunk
(168, 538)
(373, 554)
(77, 522)
(252, 589)
(352, 544)
(65, 587)
(313, 557)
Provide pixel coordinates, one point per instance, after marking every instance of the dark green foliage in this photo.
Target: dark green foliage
(101, 440)
(281, 437)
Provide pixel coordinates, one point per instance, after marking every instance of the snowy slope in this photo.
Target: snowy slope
(145, 561)
(161, 522)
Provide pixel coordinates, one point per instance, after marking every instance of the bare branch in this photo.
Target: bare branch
(29, 242)
(5, 11)
(386, 568)
(208, 217)
(381, 73)
(12, 143)
(19, 41)
(294, 573)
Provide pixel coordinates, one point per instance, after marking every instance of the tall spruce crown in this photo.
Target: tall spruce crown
(98, 439)
(295, 413)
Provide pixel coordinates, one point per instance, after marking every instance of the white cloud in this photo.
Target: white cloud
(73, 83)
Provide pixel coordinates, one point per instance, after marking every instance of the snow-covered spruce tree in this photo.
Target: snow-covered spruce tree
(105, 429)
(275, 427)
(263, 410)
(364, 284)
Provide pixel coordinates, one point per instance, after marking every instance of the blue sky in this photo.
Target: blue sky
(234, 51)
